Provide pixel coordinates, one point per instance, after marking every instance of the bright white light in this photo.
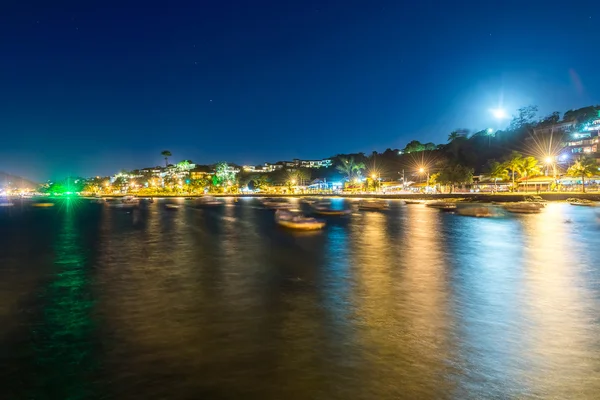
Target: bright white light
(490, 130)
(564, 157)
(499, 113)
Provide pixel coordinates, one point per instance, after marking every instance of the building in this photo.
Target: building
(312, 163)
(584, 141)
(554, 129)
(201, 172)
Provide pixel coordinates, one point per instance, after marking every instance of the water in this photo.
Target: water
(99, 303)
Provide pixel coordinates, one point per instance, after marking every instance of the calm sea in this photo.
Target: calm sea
(409, 303)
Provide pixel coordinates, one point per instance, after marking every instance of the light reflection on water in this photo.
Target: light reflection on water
(221, 303)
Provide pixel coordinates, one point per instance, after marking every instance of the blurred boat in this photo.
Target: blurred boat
(43, 205)
(442, 205)
(276, 204)
(582, 202)
(524, 207)
(534, 198)
(297, 221)
(209, 201)
(308, 200)
(171, 206)
(326, 210)
(478, 211)
(124, 202)
(6, 204)
(412, 202)
(373, 205)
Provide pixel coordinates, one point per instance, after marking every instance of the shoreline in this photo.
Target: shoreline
(473, 197)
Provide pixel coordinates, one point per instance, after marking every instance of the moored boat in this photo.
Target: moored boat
(478, 211)
(276, 204)
(413, 202)
(297, 221)
(325, 209)
(124, 202)
(582, 202)
(442, 205)
(524, 207)
(368, 205)
(209, 201)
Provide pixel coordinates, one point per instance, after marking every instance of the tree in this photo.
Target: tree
(529, 168)
(260, 181)
(525, 117)
(455, 175)
(453, 136)
(584, 167)
(498, 171)
(166, 154)
(513, 164)
(550, 119)
(223, 174)
(414, 146)
(349, 167)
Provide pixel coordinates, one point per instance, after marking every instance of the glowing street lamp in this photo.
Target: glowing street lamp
(422, 170)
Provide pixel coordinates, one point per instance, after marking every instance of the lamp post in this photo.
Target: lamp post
(422, 170)
(551, 161)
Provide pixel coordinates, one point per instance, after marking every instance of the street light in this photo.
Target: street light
(421, 170)
(550, 160)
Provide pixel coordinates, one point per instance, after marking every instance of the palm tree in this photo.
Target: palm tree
(453, 136)
(583, 167)
(166, 154)
(513, 164)
(358, 167)
(529, 168)
(498, 171)
(349, 167)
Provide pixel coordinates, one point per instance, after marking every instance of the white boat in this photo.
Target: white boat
(297, 221)
(442, 205)
(368, 205)
(171, 206)
(524, 207)
(582, 202)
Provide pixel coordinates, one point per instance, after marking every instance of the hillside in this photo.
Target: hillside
(16, 181)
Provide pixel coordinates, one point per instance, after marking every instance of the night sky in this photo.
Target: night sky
(91, 87)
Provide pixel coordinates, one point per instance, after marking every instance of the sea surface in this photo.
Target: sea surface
(409, 303)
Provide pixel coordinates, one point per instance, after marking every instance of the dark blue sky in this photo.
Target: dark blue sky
(90, 87)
